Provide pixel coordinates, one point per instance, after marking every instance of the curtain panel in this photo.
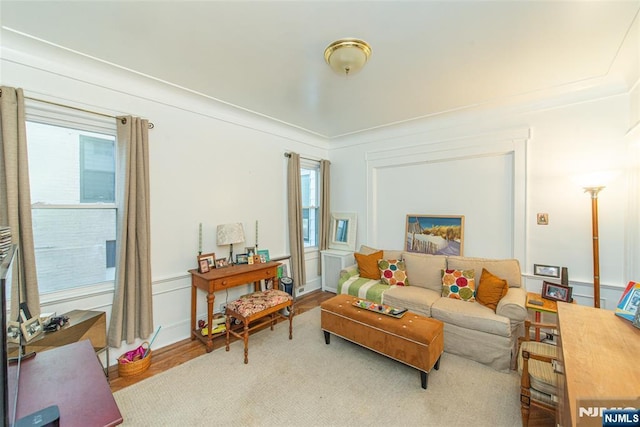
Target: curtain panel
(15, 197)
(132, 311)
(294, 208)
(325, 207)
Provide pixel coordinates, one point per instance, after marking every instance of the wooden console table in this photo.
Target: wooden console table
(220, 279)
(599, 352)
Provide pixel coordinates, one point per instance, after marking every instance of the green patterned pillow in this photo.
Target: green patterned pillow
(393, 272)
(459, 284)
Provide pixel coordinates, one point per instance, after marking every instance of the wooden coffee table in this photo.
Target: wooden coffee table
(414, 340)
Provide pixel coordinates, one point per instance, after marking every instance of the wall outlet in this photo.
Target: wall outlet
(223, 308)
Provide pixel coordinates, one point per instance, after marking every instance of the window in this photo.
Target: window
(309, 175)
(73, 194)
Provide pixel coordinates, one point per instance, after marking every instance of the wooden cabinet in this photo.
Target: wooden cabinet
(333, 261)
(598, 352)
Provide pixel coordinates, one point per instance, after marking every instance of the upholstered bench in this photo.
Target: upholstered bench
(257, 305)
(414, 340)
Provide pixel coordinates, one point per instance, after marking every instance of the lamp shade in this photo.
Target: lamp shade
(347, 56)
(228, 234)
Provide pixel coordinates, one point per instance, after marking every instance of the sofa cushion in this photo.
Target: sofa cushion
(425, 270)
(491, 289)
(459, 284)
(508, 269)
(393, 272)
(368, 264)
(470, 315)
(416, 299)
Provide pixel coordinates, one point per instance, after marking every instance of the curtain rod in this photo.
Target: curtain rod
(288, 155)
(123, 120)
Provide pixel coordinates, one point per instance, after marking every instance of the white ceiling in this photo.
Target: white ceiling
(267, 57)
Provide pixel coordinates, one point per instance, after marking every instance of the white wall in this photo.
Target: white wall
(209, 164)
(563, 141)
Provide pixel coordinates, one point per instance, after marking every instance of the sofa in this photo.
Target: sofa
(480, 323)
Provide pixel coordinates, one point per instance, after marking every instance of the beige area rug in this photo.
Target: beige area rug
(305, 382)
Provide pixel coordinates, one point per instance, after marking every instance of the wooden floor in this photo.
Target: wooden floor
(185, 350)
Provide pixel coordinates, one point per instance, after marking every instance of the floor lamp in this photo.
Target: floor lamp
(596, 249)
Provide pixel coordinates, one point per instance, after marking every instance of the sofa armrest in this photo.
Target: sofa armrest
(349, 271)
(512, 305)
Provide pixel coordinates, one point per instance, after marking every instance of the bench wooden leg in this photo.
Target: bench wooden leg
(245, 336)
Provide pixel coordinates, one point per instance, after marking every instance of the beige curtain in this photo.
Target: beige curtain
(325, 206)
(132, 313)
(294, 207)
(15, 197)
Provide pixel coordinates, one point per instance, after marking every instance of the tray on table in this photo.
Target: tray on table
(380, 308)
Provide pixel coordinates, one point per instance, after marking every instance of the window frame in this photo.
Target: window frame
(69, 117)
(315, 166)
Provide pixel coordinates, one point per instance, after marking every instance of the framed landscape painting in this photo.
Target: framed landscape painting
(435, 234)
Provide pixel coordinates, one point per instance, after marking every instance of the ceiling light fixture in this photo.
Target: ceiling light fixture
(347, 56)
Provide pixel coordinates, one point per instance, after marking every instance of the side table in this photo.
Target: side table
(548, 306)
(82, 325)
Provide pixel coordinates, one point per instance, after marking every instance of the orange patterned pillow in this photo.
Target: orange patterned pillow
(368, 265)
(393, 272)
(459, 284)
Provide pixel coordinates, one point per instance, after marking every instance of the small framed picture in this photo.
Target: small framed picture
(250, 250)
(556, 292)
(204, 266)
(264, 255)
(211, 261)
(222, 263)
(31, 328)
(13, 332)
(242, 259)
(543, 218)
(546, 270)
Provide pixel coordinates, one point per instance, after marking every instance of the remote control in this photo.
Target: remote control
(535, 302)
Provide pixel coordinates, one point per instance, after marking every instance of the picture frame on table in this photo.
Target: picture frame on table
(222, 263)
(242, 259)
(546, 270)
(204, 266)
(13, 332)
(31, 328)
(264, 255)
(556, 292)
(250, 250)
(435, 234)
(210, 258)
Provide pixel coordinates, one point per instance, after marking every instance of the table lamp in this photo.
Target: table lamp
(228, 234)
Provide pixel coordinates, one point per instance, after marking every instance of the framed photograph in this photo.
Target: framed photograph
(242, 259)
(435, 234)
(250, 250)
(211, 261)
(264, 255)
(556, 292)
(13, 332)
(31, 328)
(222, 263)
(546, 270)
(204, 266)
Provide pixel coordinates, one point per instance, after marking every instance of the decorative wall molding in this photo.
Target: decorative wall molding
(507, 142)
